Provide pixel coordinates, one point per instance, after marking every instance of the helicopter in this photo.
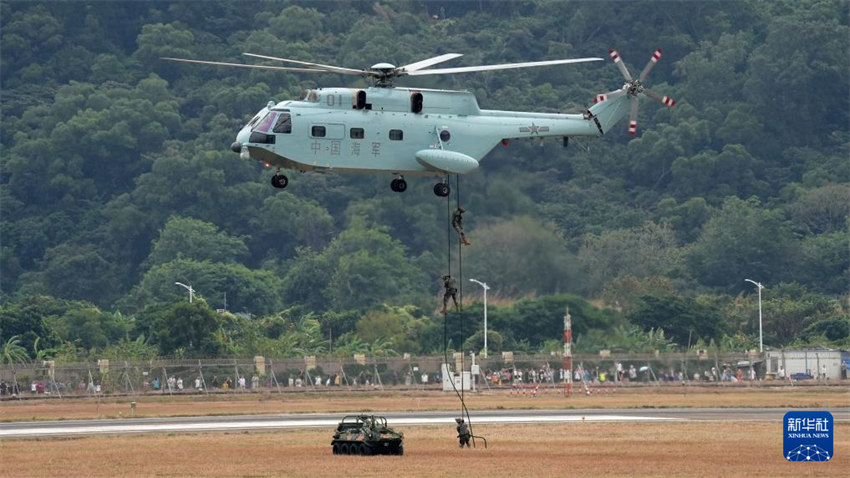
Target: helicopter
(407, 131)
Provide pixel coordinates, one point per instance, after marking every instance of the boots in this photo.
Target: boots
(464, 241)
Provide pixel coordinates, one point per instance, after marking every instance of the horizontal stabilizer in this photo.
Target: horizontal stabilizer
(446, 161)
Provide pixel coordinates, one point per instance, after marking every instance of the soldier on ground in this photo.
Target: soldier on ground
(457, 223)
(451, 291)
(462, 432)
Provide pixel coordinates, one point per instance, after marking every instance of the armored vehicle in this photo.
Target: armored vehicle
(366, 435)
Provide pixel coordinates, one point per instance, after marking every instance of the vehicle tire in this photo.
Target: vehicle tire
(399, 450)
(363, 450)
(335, 447)
(280, 181)
(343, 449)
(442, 189)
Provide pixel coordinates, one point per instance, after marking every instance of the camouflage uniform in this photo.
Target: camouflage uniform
(451, 291)
(462, 432)
(457, 223)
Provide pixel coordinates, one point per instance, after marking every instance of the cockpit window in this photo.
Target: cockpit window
(253, 120)
(266, 122)
(283, 124)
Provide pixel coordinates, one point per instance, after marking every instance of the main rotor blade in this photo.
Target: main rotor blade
(619, 62)
(429, 62)
(335, 69)
(503, 66)
(661, 99)
(652, 61)
(242, 65)
(633, 116)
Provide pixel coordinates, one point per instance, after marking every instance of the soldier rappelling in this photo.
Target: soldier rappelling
(451, 292)
(457, 223)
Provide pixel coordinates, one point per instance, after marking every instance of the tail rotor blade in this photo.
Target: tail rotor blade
(619, 62)
(633, 116)
(652, 61)
(661, 99)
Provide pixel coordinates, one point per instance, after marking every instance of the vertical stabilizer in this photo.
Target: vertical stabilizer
(610, 112)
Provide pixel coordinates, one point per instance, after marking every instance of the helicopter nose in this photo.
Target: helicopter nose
(236, 147)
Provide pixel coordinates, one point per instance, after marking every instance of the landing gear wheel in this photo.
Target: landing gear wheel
(279, 181)
(442, 189)
(398, 185)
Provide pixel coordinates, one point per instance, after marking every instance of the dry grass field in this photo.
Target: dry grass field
(149, 406)
(563, 450)
(645, 449)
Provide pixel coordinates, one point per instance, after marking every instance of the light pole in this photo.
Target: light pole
(760, 287)
(189, 288)
(486, 288)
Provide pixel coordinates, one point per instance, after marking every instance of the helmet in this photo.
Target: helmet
(459, 420)
(460, 209)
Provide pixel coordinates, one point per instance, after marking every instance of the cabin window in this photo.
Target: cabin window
(357, 133)
(317, 131)
(396, 135)
(283, 124)
(416, 102)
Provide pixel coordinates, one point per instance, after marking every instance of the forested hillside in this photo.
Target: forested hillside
(118, 181)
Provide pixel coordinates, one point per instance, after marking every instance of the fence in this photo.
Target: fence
(169, 376)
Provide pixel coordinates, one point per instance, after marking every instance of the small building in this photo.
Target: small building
(805, 363)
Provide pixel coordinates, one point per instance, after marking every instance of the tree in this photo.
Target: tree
(28, 319)
(360, 267)
(525, 254)
(644, 251)
(187, 238)
(187, 329)
(683, 319)
(13, 353)
(92, 329)
(401, 327)
(80, 272)
(822, 210)
(744, 240)
(243, 289)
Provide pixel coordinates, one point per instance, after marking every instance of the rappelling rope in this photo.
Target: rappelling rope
(464, 411)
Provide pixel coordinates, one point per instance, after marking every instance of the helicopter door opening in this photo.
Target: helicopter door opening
(416, 102)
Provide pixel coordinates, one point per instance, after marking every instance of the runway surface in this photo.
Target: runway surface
(329, 420)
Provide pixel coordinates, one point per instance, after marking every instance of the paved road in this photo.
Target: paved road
(329, 420)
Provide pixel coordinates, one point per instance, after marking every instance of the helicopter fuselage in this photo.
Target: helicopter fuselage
(402, 131)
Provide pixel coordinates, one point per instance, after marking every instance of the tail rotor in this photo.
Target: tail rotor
(634, 87)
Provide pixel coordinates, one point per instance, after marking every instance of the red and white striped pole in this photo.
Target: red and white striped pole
(568, 354)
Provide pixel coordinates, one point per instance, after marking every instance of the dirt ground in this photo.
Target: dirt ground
(562, 450)
(645, 449)
(148, 406)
